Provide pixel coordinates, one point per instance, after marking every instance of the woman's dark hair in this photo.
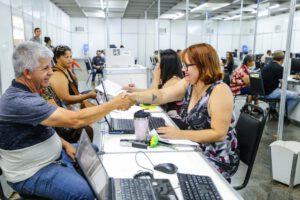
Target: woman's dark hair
(170, 65)
(60, 50)
(248, 58)
(47, 39)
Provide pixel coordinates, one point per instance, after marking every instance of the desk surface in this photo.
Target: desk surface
(124, 166)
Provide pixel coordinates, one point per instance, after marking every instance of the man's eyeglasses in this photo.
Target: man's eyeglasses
(186, 66)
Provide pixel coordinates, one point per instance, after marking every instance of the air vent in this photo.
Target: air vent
(79, 29)
(277, 28)
(162, 31)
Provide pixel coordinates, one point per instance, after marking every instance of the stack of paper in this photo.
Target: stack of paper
(111, 88)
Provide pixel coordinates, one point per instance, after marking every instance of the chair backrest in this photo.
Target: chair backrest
(88, 65)
(257, 84)
(226, 78)
(249, 128)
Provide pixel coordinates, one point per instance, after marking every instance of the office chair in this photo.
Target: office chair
(249, 129)
(226, 78)
(257, 87)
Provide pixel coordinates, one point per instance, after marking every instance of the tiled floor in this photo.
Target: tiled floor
(261, 186)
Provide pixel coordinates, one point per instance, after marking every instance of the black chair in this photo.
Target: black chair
(226, 78)
(249, 128)
(257, 87)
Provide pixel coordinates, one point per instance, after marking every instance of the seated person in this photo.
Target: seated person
(97, 64)
(271, 75)
(207, 107)
(268, 54)
(34, 160)
(229, 62)
(63, 82)
(240, 81)
(166, 73)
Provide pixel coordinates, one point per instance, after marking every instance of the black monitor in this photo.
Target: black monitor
(295, 66)
(297, 55)
(112, 46)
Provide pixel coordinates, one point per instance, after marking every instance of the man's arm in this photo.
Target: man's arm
(76, 119)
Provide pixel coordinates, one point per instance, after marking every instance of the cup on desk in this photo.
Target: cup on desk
(141, 125)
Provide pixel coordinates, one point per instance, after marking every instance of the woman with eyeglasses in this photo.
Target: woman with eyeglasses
(64, 82)
(207, 107)
(167, 72)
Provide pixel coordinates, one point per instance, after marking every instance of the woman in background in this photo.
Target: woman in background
(167, 72)
(229, 62)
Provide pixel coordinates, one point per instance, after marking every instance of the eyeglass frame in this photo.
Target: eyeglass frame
(186, 66)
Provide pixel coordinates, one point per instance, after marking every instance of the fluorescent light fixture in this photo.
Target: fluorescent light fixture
(281, 9)
(233, 17)
(209, 6)
(178, 15)
(99, 13)
(264, 12)
(275, 6)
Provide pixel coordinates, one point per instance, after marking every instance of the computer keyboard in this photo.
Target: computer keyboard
(127, 124)
(138, 189)
(197, 187)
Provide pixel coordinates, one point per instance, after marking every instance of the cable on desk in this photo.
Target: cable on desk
(147, 158)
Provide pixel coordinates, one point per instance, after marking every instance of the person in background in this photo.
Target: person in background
(167, 72)
(48, 41)
(229, 62)
(97, 64)
(34, 159)
(121, 46)
(271, 75)
(63, 82)
(37, 35)
(268, 54)
(207, 107)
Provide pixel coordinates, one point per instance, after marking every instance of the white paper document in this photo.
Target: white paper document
(111, 88)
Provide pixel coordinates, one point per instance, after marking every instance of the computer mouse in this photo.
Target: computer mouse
(168, 168)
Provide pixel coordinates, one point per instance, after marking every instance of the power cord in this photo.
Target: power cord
(137, 153)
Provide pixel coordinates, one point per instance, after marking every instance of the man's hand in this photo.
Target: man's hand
(124, 102)
(70, 150)
(92, 94)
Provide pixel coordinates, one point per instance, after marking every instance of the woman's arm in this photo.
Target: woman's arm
(156, 77)
(246, 80)
(60, 85)
(220, 108)
(162, 96)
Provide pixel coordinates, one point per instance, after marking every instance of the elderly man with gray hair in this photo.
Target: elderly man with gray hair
(271, 75)
(33, 158)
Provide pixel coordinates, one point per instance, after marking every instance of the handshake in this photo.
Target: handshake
(123, 101)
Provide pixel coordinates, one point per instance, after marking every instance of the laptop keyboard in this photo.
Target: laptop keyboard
(197, 187)
(138, 189)
(127, 124)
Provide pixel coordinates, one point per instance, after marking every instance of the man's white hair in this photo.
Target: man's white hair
(27, 56)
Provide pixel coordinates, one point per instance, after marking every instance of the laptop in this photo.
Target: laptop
(125, 126)
(105, 187)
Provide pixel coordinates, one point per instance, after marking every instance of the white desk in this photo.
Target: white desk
(124, 166)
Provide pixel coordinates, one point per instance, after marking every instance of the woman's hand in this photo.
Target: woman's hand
(70, 150)
(169, 132)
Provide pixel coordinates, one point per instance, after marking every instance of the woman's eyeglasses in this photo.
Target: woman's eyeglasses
(186, 66)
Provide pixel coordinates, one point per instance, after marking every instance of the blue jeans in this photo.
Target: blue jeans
(292, 98)
(59, 181)
(95, 72)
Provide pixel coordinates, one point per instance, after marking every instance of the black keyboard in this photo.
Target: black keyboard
(197, 187)
(138, 189)
(127, 124)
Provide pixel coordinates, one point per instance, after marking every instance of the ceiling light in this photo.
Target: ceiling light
(233, 17)
(262, 13)
(209, 6)
(275, 6)
(281, 9)
(178, 15)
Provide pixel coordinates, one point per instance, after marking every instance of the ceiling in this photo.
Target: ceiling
(173, 9)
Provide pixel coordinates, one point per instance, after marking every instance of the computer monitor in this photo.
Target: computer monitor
(295, 66)
(112, 46)
(297, 55)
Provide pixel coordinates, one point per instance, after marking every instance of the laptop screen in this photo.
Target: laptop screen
(92, 166)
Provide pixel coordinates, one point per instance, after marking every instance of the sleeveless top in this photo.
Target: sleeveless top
(223, 155)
